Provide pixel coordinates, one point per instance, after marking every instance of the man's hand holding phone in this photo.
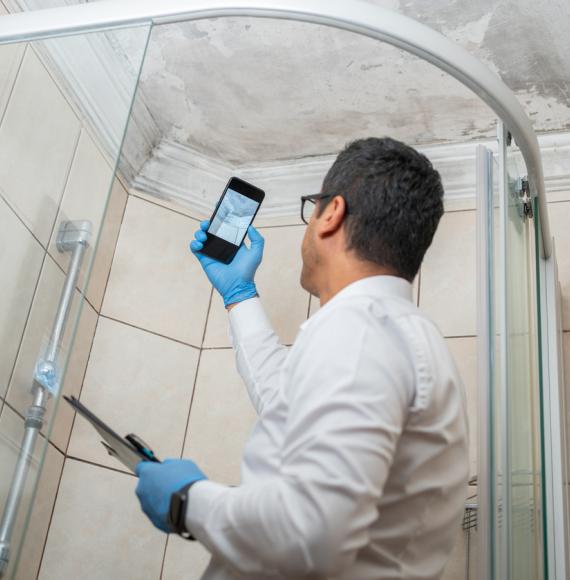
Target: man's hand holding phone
(234, 281)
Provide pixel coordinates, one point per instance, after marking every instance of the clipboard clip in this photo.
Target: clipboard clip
(142, 447)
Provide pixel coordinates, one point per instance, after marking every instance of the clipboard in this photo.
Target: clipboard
(129, 450)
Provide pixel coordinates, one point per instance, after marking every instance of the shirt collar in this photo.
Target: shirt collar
(376, 286)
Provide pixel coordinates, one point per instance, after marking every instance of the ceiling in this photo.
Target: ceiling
(275, 100)
(245, 91)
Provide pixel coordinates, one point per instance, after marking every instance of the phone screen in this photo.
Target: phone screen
(235, 213)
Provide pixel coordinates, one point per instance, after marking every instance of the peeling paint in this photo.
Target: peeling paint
(252, 90)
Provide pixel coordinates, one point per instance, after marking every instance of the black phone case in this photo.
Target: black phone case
(217, 248)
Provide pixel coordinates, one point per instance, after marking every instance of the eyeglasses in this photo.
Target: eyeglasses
(307, 210)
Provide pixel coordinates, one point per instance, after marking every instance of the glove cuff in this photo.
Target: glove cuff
(239, 293)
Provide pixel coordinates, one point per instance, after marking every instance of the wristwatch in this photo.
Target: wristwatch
(177, 512)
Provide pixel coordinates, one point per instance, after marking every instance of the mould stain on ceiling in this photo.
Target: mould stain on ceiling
(246, 90)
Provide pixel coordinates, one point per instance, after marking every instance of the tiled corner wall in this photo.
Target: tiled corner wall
(51, 170)
(161, 366)
(152, 354)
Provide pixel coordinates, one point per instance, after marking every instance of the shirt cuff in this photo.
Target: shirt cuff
(201, 496)
(247, 319)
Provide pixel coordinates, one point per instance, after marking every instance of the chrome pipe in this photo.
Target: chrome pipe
(72, 237)
(33, 425)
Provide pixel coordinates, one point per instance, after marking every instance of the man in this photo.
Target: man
(357, 466)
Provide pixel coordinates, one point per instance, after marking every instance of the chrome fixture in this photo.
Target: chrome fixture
(73, 236)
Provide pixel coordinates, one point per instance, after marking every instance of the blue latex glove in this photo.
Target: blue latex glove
(157, 483)
(234, 281)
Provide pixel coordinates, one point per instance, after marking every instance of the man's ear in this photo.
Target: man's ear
(332, 217)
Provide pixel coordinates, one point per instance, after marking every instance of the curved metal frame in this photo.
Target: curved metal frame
(354, 15)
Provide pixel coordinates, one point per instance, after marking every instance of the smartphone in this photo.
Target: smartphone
(234, 213)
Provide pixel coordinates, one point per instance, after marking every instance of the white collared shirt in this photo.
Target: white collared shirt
(356, 468)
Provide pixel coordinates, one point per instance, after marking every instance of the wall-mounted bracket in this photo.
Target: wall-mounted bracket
(72, 233)
(523, 197)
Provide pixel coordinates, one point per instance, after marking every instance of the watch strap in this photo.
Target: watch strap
(177, 511)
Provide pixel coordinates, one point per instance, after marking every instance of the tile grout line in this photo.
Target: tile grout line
(66, 455)
(106, 285)
(65, 186)
(15, 212)
(196, 219)
(196, 374)
(40, 434)
(157, 204)
(58, 450)
(82, 382)
(13, 370)
(189, 412)
(51, 515)
(16, 76)
(149, 331)
(41, 270)
(100, 465)
(82, 291)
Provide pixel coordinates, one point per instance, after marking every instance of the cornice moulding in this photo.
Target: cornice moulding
(180, 174)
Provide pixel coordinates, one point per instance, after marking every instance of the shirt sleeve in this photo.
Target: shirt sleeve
(259, 354)
(350, 395)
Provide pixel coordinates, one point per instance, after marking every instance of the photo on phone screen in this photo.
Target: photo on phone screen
(234, 213)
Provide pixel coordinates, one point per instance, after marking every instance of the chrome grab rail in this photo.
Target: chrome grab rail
(72, 237)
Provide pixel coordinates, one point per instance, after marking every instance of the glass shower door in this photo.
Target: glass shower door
(524, 532)
(511, 472)
(64, 107)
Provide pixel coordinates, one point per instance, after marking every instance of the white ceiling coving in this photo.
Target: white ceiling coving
(236, 93)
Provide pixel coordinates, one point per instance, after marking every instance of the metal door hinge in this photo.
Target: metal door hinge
(523, 197)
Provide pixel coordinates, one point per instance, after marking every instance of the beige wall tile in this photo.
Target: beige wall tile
(85, 198)
(155, 282)
(184, 560)
(73, 381)
(456, 568)
(416, 287)
(38, 136)
(173, 205)
(560, 230)
(474, 564)
(11, 433)
(36, 337)
(107, 243)
(277, 280)
(268, 221)
(221, 417)
(138, 383)
(447, 290)
(98, 531)
(464, 352)
(10, 60)
(217, 325)
(20, 263)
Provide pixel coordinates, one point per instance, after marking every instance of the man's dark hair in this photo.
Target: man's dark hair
(394, 198)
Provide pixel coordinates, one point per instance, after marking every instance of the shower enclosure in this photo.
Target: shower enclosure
(52, 220)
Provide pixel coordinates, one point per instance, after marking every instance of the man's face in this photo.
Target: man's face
(309, 254)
